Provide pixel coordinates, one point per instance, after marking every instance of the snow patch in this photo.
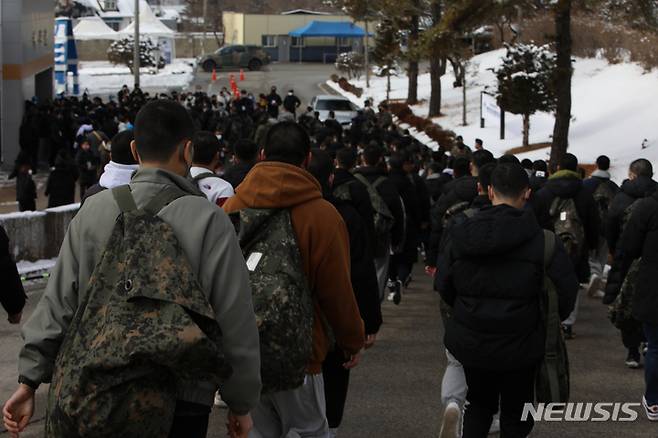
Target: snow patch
(25, 267)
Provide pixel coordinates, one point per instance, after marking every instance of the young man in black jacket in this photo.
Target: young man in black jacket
(491, 275)
(364, 283)
(567, 184)
(246, 156)
(640, 239)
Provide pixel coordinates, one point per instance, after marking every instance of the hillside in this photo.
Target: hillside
(615, 109)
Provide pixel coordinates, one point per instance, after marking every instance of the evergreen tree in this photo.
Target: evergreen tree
(525, 82)
(387, 51)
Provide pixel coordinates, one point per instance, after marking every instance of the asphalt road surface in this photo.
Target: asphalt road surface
(395, 391)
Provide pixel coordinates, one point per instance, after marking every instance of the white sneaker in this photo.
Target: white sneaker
(450, 425)
(391, 296)
(219, 402)
(651, 411)
(594, 287)
(495, 425)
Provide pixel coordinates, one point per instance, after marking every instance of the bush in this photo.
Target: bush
(121, 53)
(445, 138)
(351, 63)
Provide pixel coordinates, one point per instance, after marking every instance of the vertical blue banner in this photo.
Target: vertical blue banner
(66, 57)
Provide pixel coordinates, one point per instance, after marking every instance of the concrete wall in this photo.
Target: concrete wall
(27, 50)
(38, 235)
(187, 46)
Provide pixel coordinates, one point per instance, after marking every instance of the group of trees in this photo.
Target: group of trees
(439, 31)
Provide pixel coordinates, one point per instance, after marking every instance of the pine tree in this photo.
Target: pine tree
(525, 82)
(387, 51)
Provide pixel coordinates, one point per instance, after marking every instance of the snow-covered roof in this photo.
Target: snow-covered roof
(304, 12)
(124, 8)
(93, 28)
(149, 25)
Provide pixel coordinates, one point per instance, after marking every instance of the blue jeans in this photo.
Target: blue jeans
(651, 364)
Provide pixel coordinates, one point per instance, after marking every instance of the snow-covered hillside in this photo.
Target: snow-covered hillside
(615, 108)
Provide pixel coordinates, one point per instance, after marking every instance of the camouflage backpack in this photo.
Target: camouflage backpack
(603, 197)
(568, 226)
(342, 192)
(383, 217)
(281, 296)
(454, 211)
(552, 383)
(143, 328)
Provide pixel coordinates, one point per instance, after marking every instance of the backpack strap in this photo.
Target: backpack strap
(124, 198)
(470, 212)
(378, 181)
(363, 179)
(165, 197)
(204, 175)
(552, 320)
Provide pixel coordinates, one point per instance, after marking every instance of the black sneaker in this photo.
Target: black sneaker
(633, 359)
(397, 293)
(407, 281)
(567, 331)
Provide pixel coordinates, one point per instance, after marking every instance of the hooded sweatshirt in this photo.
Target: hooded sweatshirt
(114, 175)
(324, 246)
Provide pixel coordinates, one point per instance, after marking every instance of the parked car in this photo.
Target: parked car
(236, 56)
(344, 110)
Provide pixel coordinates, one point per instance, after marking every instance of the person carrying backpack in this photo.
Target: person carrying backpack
(639, 185)
(206, 159)
(297, 251)
(389, 216)
(490, 275)
(567, 208)
(603, 190)
(640, 241)
(149, 305)
(364, 283)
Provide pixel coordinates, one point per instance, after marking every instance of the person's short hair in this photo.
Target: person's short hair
(540, 166)
(460, 138)
(346, 158)
(642, 167)
(321, 166)
(206, 147)
(484, 176)
(396, 161)
(479, 141)
(160, 127)
(372, 154)
(509, 159)
(246, 150)
(460, 167)
(287, 142)
(569, 162)
(509, 180)
(603, 162)
(435, 167)
(526, 163)
(120, 148)
(482, 157)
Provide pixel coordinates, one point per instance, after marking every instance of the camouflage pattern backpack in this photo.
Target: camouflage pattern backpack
(384, 219)
(143, 328)
(282, 299)
(342, 192)
(603, 197)
(568, 226)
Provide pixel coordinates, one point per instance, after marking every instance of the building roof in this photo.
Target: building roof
(93, 28)
(304, 12)
(125, 8)
(340, 29)
(149, 25)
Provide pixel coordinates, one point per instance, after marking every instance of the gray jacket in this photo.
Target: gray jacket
(208, 240)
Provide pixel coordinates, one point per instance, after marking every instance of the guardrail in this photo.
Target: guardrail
(38, 235)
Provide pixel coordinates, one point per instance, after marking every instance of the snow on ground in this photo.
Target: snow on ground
(101, 77)
(615, 108)
(25, 267)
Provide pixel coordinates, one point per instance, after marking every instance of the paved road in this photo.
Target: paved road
(395, 392)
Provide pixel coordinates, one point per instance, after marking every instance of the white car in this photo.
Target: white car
(343, 109)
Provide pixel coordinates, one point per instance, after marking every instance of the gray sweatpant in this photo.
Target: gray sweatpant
(453, 386)
(298, 413)
(599, 258)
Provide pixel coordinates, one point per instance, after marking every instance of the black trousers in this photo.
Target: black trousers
(632, 335)
(485, 389)
(190, 420)
(336, 381)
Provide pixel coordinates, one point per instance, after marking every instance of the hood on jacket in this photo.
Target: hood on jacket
(494, 230)
(639, 187)
(272, 184)
(465, 187)
(565, 184)
(115, 174)
(603, 174)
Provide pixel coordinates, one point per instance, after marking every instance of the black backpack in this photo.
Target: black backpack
(603, 196)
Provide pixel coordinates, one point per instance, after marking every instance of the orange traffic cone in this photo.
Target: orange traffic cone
(231, 78)
(214, 75)
(241, 75)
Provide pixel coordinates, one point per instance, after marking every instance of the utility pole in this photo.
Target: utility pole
(205, 26)
(136, 46)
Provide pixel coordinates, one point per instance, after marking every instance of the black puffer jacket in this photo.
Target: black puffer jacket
(463, 189)
(568, 185)
(235, 174)
(360, 200)
(491, 275)
(412, 210)
(631, 191)
(640, 239)
(391, 198)
(12, 296)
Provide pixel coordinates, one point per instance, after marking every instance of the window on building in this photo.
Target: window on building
(269, 41)
(345, 42)
(109, 5)
(297, 42)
